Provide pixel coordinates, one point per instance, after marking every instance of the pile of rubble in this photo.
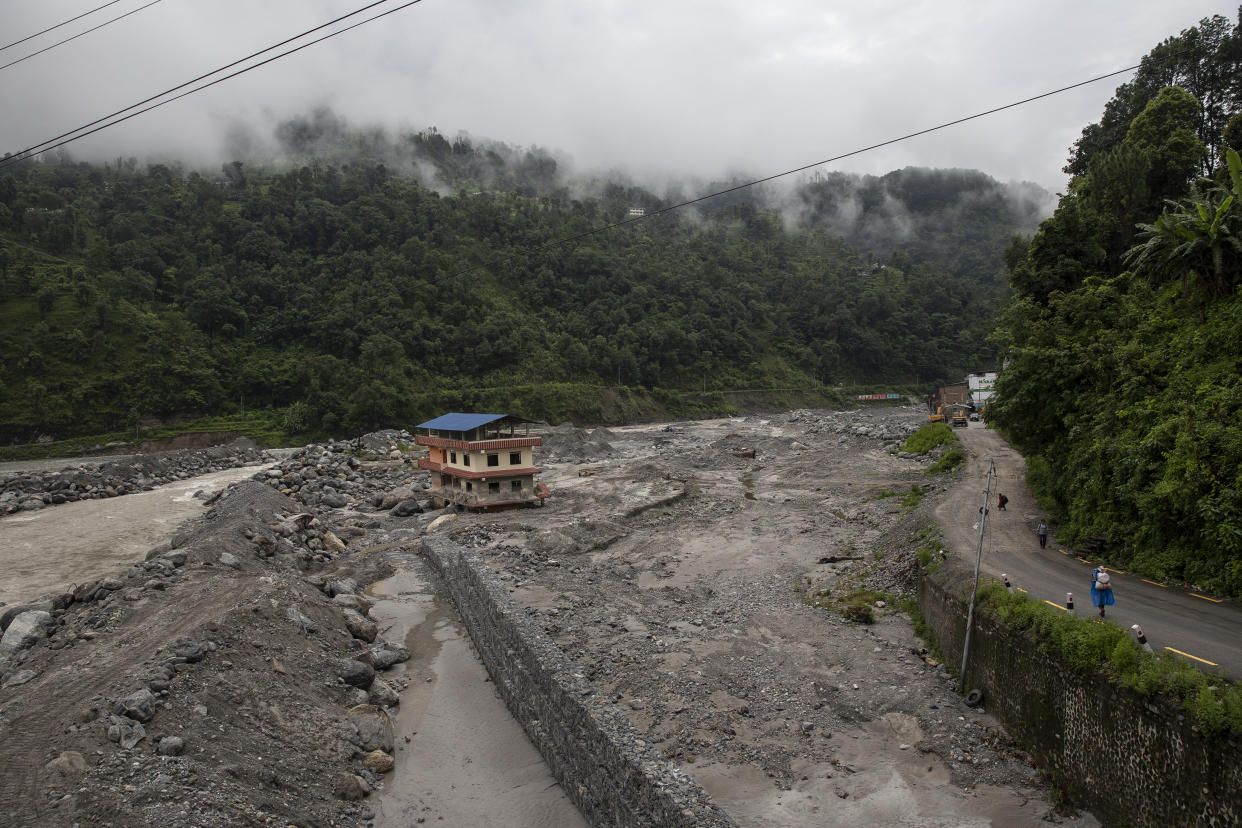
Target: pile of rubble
(27, 491)
(238, 657)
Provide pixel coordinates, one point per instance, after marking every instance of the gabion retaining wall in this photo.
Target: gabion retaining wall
(1129, 759)
(601, 760)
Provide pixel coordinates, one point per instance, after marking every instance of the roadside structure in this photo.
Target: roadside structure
(981, 388)
(480, 461)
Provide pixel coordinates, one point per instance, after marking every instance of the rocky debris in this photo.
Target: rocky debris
(266, 707)
(264, 595)
(384, 654)
(358, 626)
(684, 616)
(329, 477)
(125, 732)
(139, 705)
(382, 694)
(378, 762)
(24, 631)
(27, 491)
(356, 673)
(351, 787)
(373, 727)
(566, 443)
(68, 764)
(171, 746)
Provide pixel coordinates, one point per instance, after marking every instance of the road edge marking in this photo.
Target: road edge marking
(1205, 598)
(1058, 606)
(1154, 583)
(1196, 658)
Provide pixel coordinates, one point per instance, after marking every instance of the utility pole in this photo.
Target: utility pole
(983, 522)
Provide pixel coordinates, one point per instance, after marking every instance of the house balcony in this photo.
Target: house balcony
(479, 445)
(469, 474)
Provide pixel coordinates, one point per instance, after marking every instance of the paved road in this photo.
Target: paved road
(1196, 627)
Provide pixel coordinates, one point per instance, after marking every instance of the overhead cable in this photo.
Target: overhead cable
(107, 120)
(804, 167)
(80, 34)
(58, 25)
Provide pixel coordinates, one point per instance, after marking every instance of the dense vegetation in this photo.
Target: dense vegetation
(1124, 340)
(1086, 646)
(366, 280)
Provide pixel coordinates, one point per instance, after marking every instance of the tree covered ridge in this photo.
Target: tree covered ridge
(1123, 343)
(347, 290)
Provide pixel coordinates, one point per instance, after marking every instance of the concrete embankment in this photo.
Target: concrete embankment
(1132, 760)
(600, 759)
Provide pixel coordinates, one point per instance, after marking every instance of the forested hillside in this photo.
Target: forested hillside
(1123, 384)
(360, 273)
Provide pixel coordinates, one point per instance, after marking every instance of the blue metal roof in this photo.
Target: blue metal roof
(461, 422)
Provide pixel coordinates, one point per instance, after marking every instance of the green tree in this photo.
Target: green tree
(1198, 239)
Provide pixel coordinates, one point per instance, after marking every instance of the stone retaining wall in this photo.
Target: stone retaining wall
(601, 760)
(1131, 760)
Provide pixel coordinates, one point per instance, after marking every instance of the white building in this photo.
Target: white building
(981, 387)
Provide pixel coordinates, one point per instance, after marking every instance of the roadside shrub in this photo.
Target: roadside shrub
(861, 613)
(1214, 704)
(928, 437)
(948, 461)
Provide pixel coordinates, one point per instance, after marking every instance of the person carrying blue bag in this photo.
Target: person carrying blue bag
(1101, 590)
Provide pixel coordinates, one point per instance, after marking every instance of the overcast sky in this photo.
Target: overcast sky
(676, 88)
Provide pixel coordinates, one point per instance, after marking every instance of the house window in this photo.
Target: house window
(494, 486)
(452, 457)
(469, 486)
(493, 459)
(515, 458)
(515, 485)
(465, 459)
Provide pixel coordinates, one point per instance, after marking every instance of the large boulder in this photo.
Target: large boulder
(384, 654)
(139, 705)
(360, 626)
(24, 631)
(374, 727)
(356, 673)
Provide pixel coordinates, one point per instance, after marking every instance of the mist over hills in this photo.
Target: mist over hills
(347, 273)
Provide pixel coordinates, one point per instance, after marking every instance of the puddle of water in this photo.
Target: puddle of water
(48, 550)
(466, 761)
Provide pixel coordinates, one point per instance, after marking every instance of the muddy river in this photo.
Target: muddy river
(48, 550)
(461, 758)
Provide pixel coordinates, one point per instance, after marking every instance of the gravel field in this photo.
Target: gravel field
(699, 573)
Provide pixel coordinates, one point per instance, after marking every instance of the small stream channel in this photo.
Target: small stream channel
(461, 758)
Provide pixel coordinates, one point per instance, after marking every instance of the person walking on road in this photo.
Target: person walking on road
(1001, 500)
(1101, 590)
(1042, 531)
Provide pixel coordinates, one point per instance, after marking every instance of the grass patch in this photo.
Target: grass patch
(1085, 645)
(950, 460)
(854, 603)
(928, 437)
(265, 427)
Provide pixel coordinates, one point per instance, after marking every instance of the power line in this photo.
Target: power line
(76, 36)
(82, 131)
(906, 137)
(58, 25)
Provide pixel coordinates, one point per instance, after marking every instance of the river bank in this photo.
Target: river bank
(680, 573)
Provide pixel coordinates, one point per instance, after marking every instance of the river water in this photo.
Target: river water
(461, 759)
(55, 547)
(466, 761)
